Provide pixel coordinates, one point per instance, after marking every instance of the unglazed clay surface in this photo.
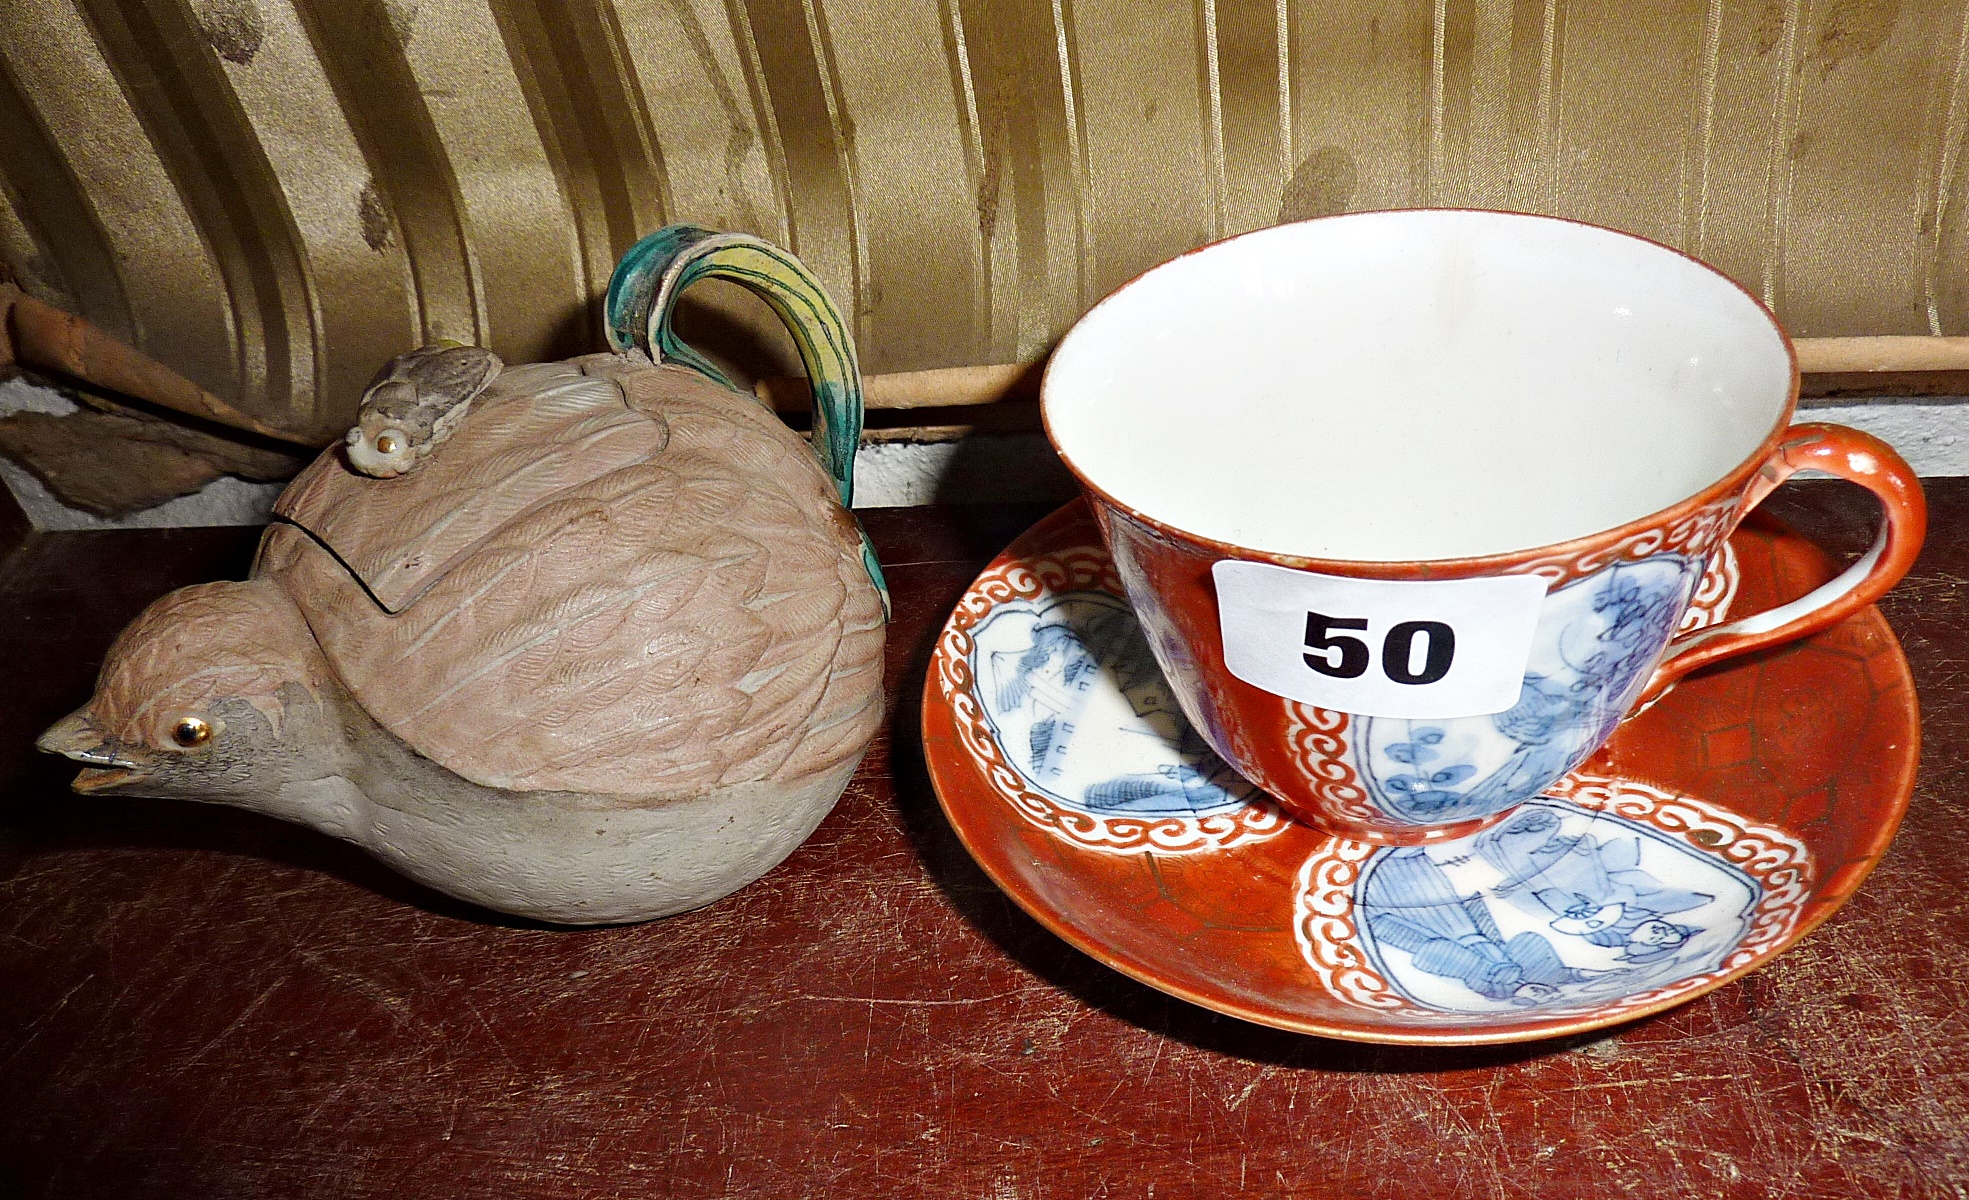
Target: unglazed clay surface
(610, 653)
(606, 599)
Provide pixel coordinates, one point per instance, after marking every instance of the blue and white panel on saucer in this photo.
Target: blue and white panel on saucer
(1606, 893)
(1058, 696)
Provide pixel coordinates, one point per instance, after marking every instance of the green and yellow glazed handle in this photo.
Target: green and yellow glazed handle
(643, 292)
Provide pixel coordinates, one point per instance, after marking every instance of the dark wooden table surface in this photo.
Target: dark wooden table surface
(200, 1003)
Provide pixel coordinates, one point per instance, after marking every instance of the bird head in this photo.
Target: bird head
(377, 445)
(216, 692)
(413, 404)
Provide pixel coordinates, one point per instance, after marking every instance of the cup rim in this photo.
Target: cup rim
(1731, 481)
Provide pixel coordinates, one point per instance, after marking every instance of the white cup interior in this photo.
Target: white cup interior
(1416, 385)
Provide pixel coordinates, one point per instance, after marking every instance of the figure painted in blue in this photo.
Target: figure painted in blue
(1425, 794)
(1594, 662)
(1587, 887)
(1084, 650)
(1179, 788)
(1537, 724)
(1638, 622)
(1409, 903)
(1099, 635)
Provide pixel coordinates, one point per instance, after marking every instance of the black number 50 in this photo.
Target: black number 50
(1397, 649)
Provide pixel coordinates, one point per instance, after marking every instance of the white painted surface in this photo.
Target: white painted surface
(224, 501)
(990, 468)
(18, 395)
(1932, 435)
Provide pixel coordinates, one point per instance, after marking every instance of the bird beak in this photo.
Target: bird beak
(75, 737)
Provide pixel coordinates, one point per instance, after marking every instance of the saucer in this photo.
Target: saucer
(1708, 835)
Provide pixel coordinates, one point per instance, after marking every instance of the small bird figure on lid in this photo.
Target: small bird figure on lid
(414, 404)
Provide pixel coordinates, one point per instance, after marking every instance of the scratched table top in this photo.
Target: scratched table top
(198, 1002)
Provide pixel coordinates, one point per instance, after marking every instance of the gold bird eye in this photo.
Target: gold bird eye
(386, 444)
(191, 731)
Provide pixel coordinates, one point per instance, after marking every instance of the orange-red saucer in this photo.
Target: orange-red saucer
(1710, 834)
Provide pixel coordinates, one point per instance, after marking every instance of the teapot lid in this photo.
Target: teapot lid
(535, 432)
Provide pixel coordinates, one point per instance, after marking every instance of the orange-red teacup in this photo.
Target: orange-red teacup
(1413, 506)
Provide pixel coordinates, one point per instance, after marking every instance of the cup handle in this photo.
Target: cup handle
(1848, 454)
(654, 272)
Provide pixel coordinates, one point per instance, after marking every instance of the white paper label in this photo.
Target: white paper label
(1378, 647)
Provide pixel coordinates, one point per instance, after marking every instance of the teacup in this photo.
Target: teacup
(1411, 505)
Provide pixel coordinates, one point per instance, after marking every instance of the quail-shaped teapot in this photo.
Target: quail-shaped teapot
(588, 641)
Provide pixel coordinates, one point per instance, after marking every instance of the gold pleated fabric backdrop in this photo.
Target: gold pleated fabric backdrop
(273, 196)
